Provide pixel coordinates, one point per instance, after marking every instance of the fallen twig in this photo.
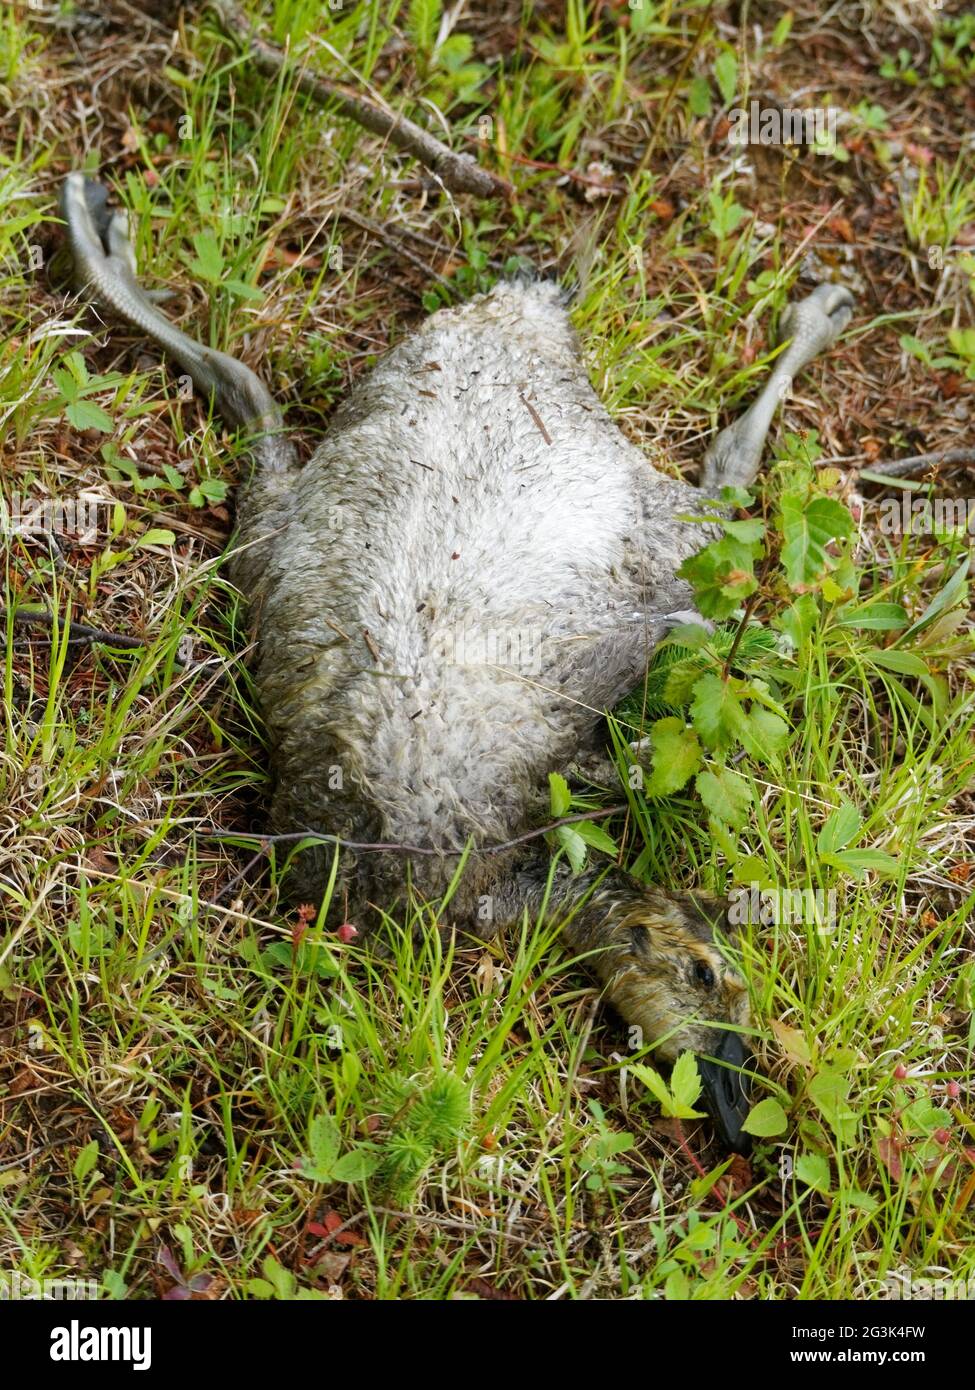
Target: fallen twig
(917, 463)
(459, 173)
(72, 632)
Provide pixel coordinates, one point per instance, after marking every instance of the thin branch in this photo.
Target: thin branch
(918, 463)
(72, 632)
(388, 847)
(459, 173)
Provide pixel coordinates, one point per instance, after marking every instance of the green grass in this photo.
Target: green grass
(199, 1073)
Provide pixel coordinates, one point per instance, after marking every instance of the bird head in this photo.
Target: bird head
(658, 955)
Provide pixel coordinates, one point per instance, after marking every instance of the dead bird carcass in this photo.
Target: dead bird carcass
(472, 566)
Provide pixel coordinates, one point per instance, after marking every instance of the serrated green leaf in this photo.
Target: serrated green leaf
(681, 680)
(726, 796)
(721, 575)
(716, 710)
(676, 756)
(685, 1080)
(86, 415)
(653, 1081)
(813, 1170)
(808, 526)
(765, 733)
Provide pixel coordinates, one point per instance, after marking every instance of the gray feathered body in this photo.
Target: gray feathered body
(473, 565)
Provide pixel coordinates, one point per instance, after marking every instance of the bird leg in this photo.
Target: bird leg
(105, 267)
(811, 325)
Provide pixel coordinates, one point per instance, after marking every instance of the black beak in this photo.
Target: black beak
(726, 1090)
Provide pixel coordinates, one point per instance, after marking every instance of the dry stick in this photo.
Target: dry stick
(73, 632)
(459, 173)
(918, 462)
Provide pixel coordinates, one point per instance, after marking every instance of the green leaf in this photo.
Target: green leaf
(782, 29)
(676, 756)
(881, 617)
(560, 797)
(699, 97)
(574, 845)
(726, 795)
(66, 384)
(281, 1280)
(842, 826)
(904, 663)
(689, 637)
(653, 1081)
(721, 575)
(208, 264)
(858, 861)
(717, 711)
(764, 733)
(355, 1166)
(324, 1142)
(750, 531)
(726, 73)
(750, 869)
(86, 1160)
(213, 489)
(861, 1201)
(242, 290)
(829, 1090)
(595, 837)
(681, 680)
(259, 1288)
(423, 23)
(799, 620)
(765, 1119)
(807, 528)
(813, 1170)
(677, 1103)
(114, 1285)
(953, 593)
(157, 536)
(685, 1080)
(86, 415)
